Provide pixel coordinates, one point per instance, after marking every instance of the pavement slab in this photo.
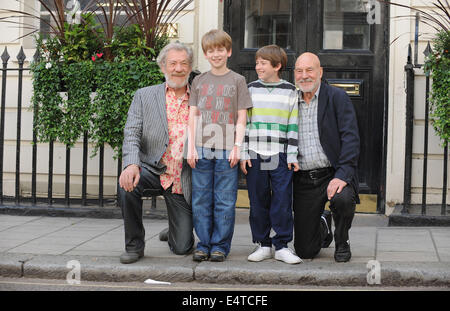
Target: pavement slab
(42, 247)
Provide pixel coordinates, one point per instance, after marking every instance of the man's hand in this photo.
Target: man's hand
(335, 186)
(244, 164)
(129, 178)
(234, 156)
(192, 156)
(296, 166)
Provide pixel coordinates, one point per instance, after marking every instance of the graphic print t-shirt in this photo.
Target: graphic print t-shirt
(218, 99)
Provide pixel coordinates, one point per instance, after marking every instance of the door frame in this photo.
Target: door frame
(312, 19)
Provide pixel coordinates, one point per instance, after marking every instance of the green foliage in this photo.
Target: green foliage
(58, 117)
(99, 94)
(152, 15)
(77, 90)
(87, 73)
(78, 79)
(116, 84)
(46, 100)
(82, 40)
(161, 42)
(437, 65)
(130, 42)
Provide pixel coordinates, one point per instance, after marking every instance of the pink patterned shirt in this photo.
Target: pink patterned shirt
(177, 119)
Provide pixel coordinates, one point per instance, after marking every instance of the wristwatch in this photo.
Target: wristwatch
(238, 144)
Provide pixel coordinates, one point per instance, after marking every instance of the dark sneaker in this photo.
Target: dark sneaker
(326, 219)
(217, 256)
(342, 252)
(127, 258)
(164, 235)
(200, 256)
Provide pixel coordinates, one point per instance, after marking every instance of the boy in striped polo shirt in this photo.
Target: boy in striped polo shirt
(269, 156)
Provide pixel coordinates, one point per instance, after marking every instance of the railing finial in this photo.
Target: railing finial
(427, 50)
(5, 56)
(36, 56)
(21, 56)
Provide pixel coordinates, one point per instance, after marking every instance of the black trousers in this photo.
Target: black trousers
(310, 197)
(179, 213)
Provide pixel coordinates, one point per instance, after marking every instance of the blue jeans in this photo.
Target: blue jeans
(269, 183)
(214, 193)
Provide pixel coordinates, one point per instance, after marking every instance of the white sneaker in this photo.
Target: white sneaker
(287, 255)
(260, 254)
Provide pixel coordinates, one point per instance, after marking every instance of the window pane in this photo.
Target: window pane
(44, 25)
(268, 22)
(69, 4)
(345, 25)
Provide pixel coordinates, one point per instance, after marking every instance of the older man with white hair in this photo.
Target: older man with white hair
(154, 138)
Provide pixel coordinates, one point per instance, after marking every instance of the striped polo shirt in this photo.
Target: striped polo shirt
(272, 122)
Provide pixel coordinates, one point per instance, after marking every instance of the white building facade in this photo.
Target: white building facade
(203, 15)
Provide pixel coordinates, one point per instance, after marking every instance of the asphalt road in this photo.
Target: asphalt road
(194, 296)
(28, 284)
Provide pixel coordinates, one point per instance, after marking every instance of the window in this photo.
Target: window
(345, 24)
(268, 22)
(69, 6)
(172, 29)
(45, 14)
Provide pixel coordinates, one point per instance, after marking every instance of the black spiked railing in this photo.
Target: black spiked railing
(410, 78)
(5, 58)
(21, 59)
(49, 199)
(34, 147)
(100, 201)
(425, 143)
(409, 70)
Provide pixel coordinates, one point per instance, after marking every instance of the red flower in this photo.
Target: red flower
(99, 55)
(93, 58)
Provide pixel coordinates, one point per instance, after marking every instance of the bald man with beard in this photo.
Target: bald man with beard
(328, 158)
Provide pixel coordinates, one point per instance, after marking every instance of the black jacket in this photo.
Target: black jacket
(339, 134)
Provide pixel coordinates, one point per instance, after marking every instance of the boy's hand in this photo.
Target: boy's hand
(296, 166)
(234, 156)
(192, 157)
(244, 164)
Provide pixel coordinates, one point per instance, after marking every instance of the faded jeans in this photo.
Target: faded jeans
(214, 193)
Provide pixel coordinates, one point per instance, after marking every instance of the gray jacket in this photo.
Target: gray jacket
(146, 134)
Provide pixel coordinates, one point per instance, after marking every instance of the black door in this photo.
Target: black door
(349, 36)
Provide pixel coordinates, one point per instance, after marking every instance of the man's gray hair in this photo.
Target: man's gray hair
(178, 46)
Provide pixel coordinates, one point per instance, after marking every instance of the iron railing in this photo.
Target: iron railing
(100, 200)
(50, 200)
(410, 89)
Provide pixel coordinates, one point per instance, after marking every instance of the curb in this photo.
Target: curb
(108, 269)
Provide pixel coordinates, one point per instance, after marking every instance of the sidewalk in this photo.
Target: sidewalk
(41, 247)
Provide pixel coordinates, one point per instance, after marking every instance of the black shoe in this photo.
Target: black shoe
(217, 256)
(200, 256)
(127, 258)
(164, 235)
(326, 219)
(342, 252)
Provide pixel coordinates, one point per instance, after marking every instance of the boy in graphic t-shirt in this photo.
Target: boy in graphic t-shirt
(217, 118)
